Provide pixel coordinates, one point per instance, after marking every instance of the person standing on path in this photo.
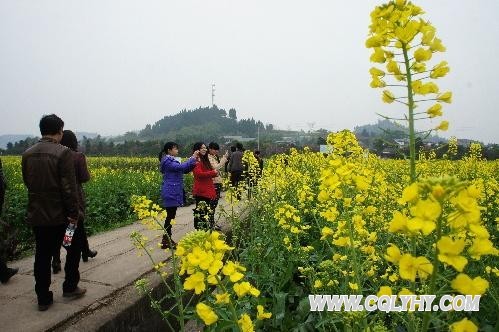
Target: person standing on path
(82, 174)
(172, 188)
(236, 168)
(49, 175)
(259, 159)
(203, 188)
(5, 272)
(217, 164)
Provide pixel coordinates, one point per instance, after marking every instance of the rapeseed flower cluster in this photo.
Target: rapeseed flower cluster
(443, 215)
(145, 208)
(399, 34)
(202, 262)
(369, 230)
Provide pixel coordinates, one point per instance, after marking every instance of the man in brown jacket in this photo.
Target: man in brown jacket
(48, 173)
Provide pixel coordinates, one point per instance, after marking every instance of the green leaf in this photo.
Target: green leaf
(280, 307)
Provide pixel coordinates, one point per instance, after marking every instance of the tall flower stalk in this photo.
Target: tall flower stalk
(400, 36)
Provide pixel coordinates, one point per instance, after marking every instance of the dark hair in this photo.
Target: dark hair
(257, 152)
(204, 158)
(69, 140)
(166, 147)
(232, 149)
(214, 146)
(239, 146)
(51, 124)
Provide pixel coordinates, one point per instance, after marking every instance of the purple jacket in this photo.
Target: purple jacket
(172, 189)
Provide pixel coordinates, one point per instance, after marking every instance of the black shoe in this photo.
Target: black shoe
(90, 253)
(77, 293)
(44, 307)
(10, 273)
(56, 267)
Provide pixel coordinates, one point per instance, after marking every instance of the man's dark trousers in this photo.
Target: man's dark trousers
(49, 240)
(3, 270)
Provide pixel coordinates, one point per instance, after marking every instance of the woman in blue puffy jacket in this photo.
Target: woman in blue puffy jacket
(172, 189)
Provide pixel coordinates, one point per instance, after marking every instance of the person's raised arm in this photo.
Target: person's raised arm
(169, 164)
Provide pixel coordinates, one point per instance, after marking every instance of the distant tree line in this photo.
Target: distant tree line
(390, 140)
(211, 124)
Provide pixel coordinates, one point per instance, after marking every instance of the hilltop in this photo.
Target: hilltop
(203, 123)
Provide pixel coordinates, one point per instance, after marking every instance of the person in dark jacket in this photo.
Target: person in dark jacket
(203, 188)
(259, 159)
(172, 189)
(5, 272)
(236, 168)
(49, 175)
(82, 174)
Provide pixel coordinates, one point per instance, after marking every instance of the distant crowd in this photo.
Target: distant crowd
(53, 172)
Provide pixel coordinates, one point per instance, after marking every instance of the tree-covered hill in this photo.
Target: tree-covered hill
(199, 124)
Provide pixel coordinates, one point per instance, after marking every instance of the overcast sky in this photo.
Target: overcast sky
(113, 66)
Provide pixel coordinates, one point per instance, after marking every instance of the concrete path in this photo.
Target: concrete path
(116, 266)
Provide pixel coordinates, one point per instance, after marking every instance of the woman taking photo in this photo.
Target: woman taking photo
(172, 189)
(203, 189)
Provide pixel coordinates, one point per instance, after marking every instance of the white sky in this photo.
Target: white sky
(113, 66)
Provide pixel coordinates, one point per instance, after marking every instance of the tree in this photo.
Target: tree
(378, 145)
(232, 114)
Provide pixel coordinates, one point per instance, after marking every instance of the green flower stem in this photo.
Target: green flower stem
(426, 318)
(356, 262)
(154, 263)
(410, 106)
(156, 306)
(178, 292)
(231, 306)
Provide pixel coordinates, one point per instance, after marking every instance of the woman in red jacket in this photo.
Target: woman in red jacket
(203, 189)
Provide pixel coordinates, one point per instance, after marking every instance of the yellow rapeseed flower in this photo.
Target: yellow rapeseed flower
(393, 254)
(410, 266)
(245, 323)
(467, 286)
(446, 97)
(449, 252)
(206, 313)
(388, 97)
(398, 223)
(422, 54)
(464, 325)
(384, 290)
(443, 126)
(482, 247)
(243, 288)
(196, 282)
(435, 110)
(222, 298)
(232, 269)
(261, 313)
(410, 194)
